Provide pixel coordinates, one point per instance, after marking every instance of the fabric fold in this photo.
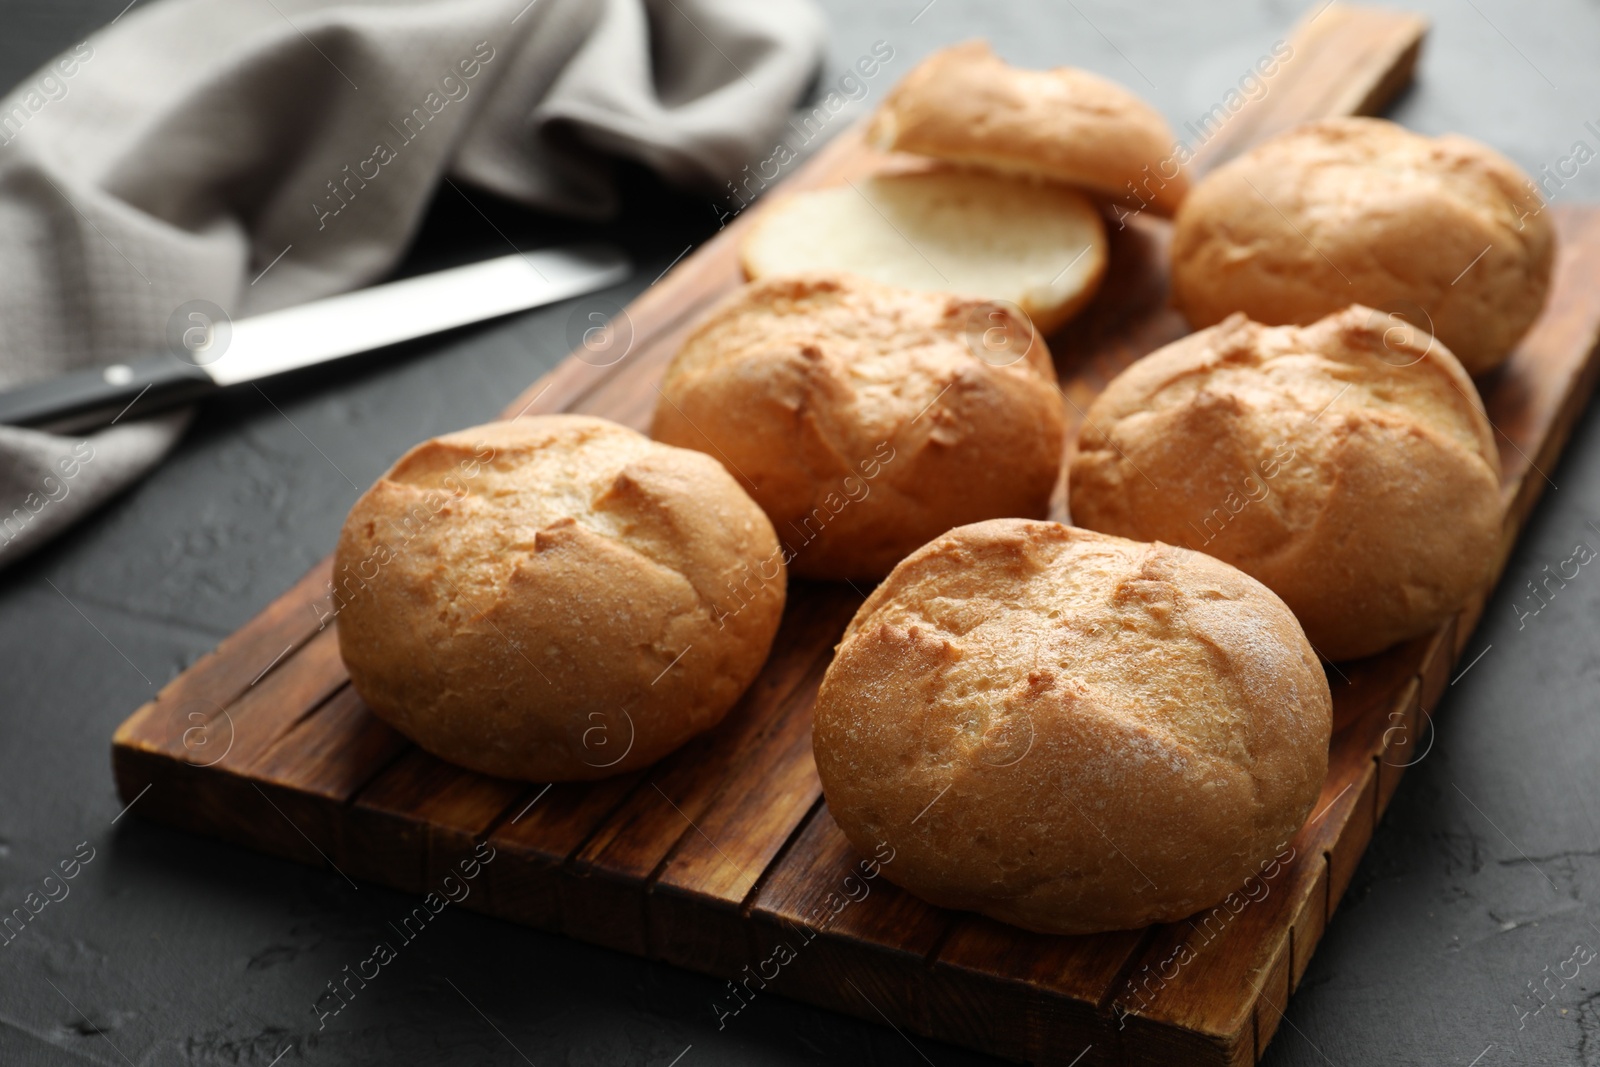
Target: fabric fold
(261, 153)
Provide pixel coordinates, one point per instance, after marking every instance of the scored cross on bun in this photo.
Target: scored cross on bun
(1071, 732)
(1442, 231)
(555, 597)
(1348, 465)
(866, 419)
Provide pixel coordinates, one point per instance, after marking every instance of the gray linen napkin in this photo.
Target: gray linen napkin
(260, 153)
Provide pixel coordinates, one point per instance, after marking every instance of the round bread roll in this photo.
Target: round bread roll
(1041, 247)
(555, 598)
(1443, 231)
(1347, 465)
(866, 419)
(1071, 732)
(966, 105)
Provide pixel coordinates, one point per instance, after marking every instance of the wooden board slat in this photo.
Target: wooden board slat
(1028, 995)
(723, 856)
(218, 679)
(622, 860)
(534, 844)
(860, 944)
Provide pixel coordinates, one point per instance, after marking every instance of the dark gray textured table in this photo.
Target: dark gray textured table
(1478, 887)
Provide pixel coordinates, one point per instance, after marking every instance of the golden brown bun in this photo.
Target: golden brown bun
(553, 598)
(1069, 731)
(966, 105)
(867, 419)
(942, 229)
(1347, 465)
(1362, 211)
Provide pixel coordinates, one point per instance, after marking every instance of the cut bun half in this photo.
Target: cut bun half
(1039, 246)
(966, 105)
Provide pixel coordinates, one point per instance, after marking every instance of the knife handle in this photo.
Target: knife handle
(156, 381)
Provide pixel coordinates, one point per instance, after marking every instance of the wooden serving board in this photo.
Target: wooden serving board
(723, 857)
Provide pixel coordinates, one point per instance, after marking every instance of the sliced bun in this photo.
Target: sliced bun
(966, 105)
(1041, 247)
(866, 419)
(1071, 732)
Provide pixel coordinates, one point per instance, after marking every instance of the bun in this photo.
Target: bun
(966, 105)
(1071, 732)
(1443, 231)
(550, 598)
(1040, 247)
(866, 419)
(1347, 465)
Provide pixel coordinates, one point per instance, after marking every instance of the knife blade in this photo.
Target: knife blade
(279, 341)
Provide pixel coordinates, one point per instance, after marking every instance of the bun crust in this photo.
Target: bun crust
(1356, 210)
(1347, 465)
(966, 105)
(518, 598)
(862, 418)
(1069, 731)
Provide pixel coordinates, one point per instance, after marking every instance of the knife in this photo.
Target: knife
(217, 354)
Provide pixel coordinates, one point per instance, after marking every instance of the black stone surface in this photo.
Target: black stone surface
(172, 949)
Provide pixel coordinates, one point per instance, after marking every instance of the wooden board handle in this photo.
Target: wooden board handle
(1341, 60)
